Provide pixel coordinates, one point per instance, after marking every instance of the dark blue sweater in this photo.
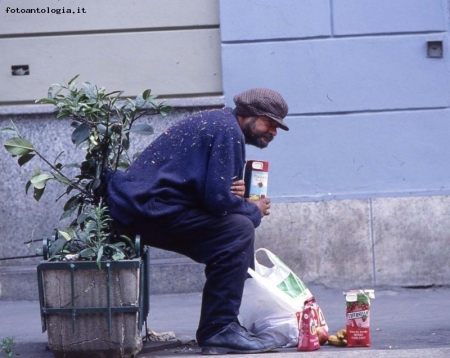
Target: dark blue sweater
(191, 165)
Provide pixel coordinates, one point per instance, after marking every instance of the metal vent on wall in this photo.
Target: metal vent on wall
(435, 49)
(20, 70)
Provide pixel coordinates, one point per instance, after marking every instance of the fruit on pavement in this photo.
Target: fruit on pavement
(335, 341)
(341, 334)
(322, 334)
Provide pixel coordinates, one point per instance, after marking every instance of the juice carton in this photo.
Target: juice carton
(358, 317)
(256, 179)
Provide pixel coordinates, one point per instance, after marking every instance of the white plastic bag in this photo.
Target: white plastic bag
(271, 299)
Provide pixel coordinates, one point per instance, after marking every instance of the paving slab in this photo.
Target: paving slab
(404, 323)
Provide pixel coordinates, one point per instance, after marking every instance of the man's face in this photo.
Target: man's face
(259, 131)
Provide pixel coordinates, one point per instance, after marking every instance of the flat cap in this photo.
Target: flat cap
(262, 102)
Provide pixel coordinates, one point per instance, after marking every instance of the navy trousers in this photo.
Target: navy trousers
(224, 244)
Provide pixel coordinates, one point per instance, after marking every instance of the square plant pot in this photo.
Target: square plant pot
(92, 312)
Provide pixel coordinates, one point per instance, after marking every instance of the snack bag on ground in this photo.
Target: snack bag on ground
(307, 329)
(321, 324)
(358, 317)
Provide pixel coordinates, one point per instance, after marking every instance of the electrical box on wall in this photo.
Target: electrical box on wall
(20, 70)
(435, 49)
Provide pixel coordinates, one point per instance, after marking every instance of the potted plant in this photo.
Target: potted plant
(92, 281)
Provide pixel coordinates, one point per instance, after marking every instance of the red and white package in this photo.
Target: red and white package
(307, 329)
(358, 317)
(321, 324)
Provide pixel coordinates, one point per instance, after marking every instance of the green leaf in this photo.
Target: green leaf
(47, 101)
(142, 129)
(95, 184)
(88, 253)
(73, 80)
(113, 92)
(50, 92)
(65, 235)
(37, 194)
(27, 186)
(57, 246)
(18, 146)
(62, 114)
(165, 110)
(127, 239)
(140, 102)
(126, 143)
(102, 129)
(120, 245)
(119, 255)
(71, 203)
(25, 159)
(99, 257)
(67, 213)
(82, 217)
(61, 179)
(90, 90)
(146, 94)
(8, 130)
(40, 180)
(80, 134)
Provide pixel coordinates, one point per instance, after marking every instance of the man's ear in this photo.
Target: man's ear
(242, 120)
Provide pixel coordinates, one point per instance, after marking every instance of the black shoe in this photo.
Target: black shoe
(236, 339)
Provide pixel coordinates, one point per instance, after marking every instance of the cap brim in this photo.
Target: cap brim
(280, 124)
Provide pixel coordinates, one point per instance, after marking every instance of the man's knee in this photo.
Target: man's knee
(243, 230)
(243, 224)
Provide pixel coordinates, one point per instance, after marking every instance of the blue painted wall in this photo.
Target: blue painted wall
(369, 110)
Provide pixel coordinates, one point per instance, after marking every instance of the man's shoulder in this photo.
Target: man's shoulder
(214, 119)
(225, 113)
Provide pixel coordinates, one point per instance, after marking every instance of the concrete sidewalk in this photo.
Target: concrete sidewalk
(404, 323)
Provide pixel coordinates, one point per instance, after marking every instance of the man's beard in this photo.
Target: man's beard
(260, 140)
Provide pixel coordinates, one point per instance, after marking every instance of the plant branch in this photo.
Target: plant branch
(71, 183)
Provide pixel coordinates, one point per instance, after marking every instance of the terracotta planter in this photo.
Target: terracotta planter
(89, 312)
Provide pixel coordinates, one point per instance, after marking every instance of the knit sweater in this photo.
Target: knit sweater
(190, 166)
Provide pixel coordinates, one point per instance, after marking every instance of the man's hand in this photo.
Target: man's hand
(238, 188)
(263, 205)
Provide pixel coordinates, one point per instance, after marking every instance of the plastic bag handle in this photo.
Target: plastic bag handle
(270, 255)
(274, 259)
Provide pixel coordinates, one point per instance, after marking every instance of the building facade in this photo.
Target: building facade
(360, 183)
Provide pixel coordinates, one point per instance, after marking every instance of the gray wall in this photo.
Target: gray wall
(368, 109)
(360, 182)
(170, 46)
